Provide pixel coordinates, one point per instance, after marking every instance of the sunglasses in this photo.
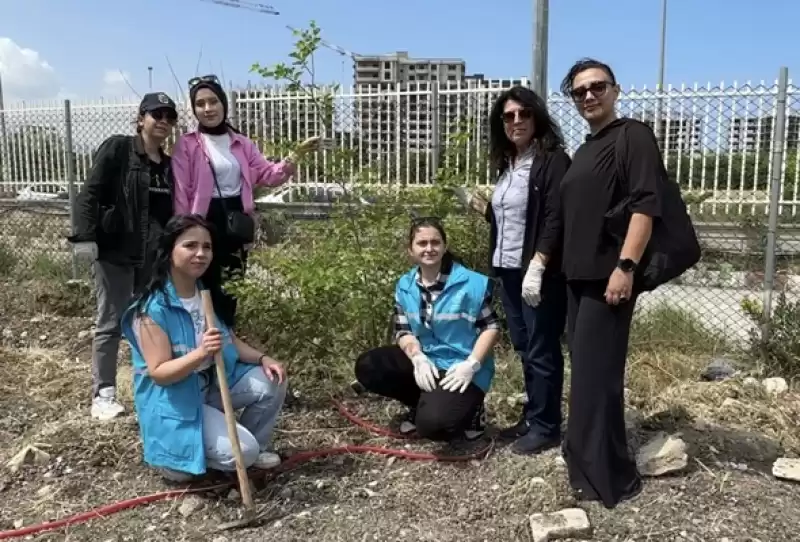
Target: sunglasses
(519, 114)
(194, 81)
(598, 89)
(161, 114)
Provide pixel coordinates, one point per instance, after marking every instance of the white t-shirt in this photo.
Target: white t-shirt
(225, 164)
(194, 306)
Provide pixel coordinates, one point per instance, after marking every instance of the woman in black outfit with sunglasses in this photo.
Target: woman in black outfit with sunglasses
(121, 211)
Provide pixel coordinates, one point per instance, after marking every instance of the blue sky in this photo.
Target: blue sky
(82, 40)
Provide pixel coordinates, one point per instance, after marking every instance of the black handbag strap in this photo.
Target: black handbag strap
(216, 184)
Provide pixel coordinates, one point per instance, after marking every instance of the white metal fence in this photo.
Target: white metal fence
(718, 140)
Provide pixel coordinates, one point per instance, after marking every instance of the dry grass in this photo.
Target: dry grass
(733, 432)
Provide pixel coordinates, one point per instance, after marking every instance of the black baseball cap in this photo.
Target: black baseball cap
(156, 100)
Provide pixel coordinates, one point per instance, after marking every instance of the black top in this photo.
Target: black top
(113, 206)
(160, 194)
(543, 215)
(592, 186)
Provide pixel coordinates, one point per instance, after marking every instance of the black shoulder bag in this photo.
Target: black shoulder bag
(673, 247)
(239, 227)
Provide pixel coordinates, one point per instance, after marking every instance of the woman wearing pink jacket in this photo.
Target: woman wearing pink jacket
(215, 170)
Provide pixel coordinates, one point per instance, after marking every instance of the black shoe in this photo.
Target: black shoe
(533, 443)
(515, 431)
(477, 426)
(409, 423)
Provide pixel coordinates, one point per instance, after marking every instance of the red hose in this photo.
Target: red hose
(292, 462)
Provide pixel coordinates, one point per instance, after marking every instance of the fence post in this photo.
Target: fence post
(69, 159)
(779, 127)
(435, 141)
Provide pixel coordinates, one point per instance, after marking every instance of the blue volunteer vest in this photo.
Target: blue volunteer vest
(171, 417)
(452, 333)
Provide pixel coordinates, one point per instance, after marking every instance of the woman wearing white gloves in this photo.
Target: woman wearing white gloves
(120, 214)
(528, 155)
(446, 329)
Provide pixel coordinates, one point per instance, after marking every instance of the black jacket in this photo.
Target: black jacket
(543, 231)
(112, 206)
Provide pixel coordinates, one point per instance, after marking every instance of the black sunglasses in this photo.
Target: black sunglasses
(194, 81)
(597, 88)
(161, 114)
(521, 114)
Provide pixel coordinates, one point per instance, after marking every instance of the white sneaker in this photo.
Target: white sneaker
(105, 405)
(267, 460)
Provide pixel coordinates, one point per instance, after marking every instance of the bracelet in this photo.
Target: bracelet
(260, 358)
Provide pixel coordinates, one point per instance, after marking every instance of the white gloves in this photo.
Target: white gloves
(532, 283)
(460, 375)
(425, 372)
(86, 250)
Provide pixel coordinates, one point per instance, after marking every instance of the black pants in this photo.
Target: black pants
(536, 335)
(441, 415)
(596, 448)
(230, 257)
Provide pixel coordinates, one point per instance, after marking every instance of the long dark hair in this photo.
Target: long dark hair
(417, 223)
(211, 279)
(546, 133)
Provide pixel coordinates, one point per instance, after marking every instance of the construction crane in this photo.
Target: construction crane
(269, 10)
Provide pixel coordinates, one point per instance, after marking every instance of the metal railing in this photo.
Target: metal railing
(717, 140)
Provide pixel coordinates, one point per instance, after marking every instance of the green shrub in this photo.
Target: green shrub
(778, 348)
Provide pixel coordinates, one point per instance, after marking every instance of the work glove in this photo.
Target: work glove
(86, 249)
(310, 144)
(459, 375)
(425, 372)
(532, 283)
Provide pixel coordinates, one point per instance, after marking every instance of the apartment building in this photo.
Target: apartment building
(678, 134)
(755, 134)
(400, 97)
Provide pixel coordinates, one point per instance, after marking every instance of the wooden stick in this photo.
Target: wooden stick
(227, 406)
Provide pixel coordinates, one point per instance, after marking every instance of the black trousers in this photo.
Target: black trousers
(536, 335)
(596, 448)
(441, 415)
(230, 257)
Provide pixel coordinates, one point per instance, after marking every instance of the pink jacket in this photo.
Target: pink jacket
(194, 183)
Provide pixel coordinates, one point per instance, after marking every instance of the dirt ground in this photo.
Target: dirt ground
(726, 492)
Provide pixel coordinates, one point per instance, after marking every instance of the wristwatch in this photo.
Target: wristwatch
(627, 265)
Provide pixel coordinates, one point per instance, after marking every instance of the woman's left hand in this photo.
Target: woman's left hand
(273, 369)
(620, 286)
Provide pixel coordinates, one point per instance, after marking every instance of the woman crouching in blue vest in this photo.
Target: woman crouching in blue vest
(445, 330)
(177, 398)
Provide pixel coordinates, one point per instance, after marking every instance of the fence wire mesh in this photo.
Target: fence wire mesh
(719, 144)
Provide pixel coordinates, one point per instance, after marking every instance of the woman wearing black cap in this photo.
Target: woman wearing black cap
(121, 211)
(216, 169)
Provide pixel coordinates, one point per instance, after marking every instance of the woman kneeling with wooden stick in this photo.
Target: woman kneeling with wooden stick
(177, 396)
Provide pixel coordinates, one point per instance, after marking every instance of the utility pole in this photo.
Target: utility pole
(660, 84)
(150, 77)
(540, 27)
(3, 134)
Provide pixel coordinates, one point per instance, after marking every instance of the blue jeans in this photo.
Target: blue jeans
(261, 399)
(536, 335)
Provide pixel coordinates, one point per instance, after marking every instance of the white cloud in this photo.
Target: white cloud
(26, 75)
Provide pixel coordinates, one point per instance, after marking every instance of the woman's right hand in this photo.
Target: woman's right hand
(212, 342)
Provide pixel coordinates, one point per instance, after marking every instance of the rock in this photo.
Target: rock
(786, 468)
(719, 369)
(661, 455)
(462, 512)
(633, 419)
(83, 334)
(18, 523)
(568, 523)
(23, 335)
(775, 385)
(233, 495)
(29, 454)
(190, 505)
(750, 382)
(8, 333)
